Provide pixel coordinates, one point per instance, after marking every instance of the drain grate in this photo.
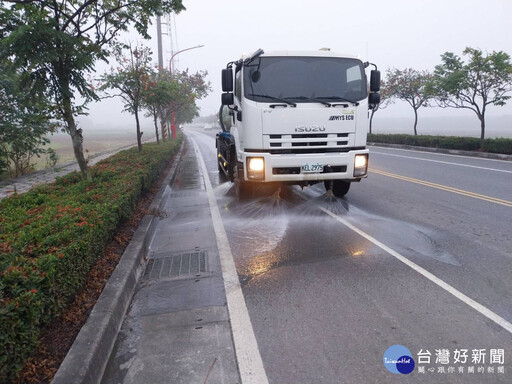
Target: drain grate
(184, 194)
(189, 171)
(185, 264)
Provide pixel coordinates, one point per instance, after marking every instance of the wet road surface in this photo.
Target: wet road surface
(326, 303)
(418, 254)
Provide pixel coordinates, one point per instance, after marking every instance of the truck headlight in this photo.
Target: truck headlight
(256, 168)
(360, 165)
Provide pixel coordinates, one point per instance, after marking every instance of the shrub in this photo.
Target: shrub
(51, 236)
(501, 145)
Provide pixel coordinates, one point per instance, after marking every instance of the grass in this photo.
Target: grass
(95, 142)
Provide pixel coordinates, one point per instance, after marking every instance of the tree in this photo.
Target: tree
(474, 85)
(187, 113)
(131, 78)
(157, 96)
(411, 86)
(385, 101)
(188, 89)
(24, 121)
(58, 43)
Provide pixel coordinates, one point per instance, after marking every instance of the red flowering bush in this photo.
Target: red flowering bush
(51, 236)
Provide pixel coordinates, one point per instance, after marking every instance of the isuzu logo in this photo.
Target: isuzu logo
(311, 128)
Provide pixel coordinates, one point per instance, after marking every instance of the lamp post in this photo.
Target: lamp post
(173, 121)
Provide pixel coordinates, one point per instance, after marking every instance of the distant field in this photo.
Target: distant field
(468, 126)
(95, 141)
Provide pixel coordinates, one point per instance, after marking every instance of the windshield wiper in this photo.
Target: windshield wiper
(275, 98)
(317, 100)
(339, 98)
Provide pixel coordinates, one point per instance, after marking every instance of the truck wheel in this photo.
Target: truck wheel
(231, 157)
(340, 187)
(218, 165)
(221, 150)
(242, 189)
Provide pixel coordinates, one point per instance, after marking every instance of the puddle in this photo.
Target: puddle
(307, 240)
(252, 236)
(403, 236)
(267, 232)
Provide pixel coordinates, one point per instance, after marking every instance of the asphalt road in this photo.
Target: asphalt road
(418, 254)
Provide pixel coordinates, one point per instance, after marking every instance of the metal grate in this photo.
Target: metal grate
(307, 142)
(189, 171)
(184, 194)
(185, 264)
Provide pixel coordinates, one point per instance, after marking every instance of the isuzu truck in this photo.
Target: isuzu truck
(295, 118)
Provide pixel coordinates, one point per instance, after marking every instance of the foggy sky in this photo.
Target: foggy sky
(392, 33)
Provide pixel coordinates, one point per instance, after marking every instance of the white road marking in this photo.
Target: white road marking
(440, 154)
(447, 287)
(247, 352)
(442, 162)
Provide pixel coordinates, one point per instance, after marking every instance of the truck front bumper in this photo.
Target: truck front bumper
(305, 167)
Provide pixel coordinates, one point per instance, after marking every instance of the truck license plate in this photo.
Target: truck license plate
(311, 168)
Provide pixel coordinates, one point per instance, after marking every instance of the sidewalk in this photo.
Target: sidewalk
(24, 183)
(177, 327)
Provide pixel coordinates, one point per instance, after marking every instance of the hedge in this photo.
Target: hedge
(52, 235)
(500, 145)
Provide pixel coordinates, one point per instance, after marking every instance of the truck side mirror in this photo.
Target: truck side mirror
(228, 99)
(373, 99)
(375, 81)
(227, 80)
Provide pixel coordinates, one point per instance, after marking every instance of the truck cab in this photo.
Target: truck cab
(296, 118)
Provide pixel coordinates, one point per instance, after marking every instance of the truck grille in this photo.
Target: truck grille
(308, 142)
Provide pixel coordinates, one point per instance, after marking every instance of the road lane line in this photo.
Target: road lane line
(447, 287)
(490, 199)
(250, 364)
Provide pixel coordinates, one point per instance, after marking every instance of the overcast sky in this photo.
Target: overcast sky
(392, 33)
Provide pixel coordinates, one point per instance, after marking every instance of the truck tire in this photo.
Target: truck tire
(231, 157)
(340, 187)
(223, 149)
(243, 190)
(221, 171)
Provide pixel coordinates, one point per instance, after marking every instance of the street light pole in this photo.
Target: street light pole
(173, 121)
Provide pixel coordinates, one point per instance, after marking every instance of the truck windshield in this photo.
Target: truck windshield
(305, 79)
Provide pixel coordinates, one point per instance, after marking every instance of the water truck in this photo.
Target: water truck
(295, 117)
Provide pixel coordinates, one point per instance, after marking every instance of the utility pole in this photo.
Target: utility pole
(159, 42)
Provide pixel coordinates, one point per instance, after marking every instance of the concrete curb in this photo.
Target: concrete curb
(485, 155)
(87, 358)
